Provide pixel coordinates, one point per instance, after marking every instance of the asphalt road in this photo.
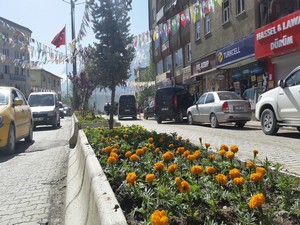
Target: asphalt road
(33, 181)
(282, 148)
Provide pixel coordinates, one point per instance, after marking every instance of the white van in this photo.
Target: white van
(45, 108)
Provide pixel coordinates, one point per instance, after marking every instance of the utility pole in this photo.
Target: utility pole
(73, 36)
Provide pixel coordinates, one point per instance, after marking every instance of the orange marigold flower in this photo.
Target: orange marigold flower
(197, 170)
(150, 139)
(250, 164)
(116, 137)
(234, 173)
(191, 157)
(159, 217)
(180, 149)
(144, 148)
(239, 181)
(134, 157)
(224, 147)
(257, 200)
(186, 153)
(172, 168)
(256, 177)
(230, 155)
(128, 154)
(151, 146)
(116, 145)
(221, 152)
(110, 139)
(150, 177)
(171, 145)
(234, 148)
(131, 178)
(161, 139)
(177, 181)
(159, 166)
(207, 145)
(221, 178)
(115, 150)
(168, 156)
(139, 152)
(157, 150)
(111, 159)
(108, 149)
(187, 140)
(212, 157)
(126, 136)
(255, 152)
(197, 153)
(184, 187)
(179, 138)
(113, 154)
(261, 170)
(103, 139)
(210, 170)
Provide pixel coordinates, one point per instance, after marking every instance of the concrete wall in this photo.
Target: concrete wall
(89, 197)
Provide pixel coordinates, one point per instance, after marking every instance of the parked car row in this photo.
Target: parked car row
(18, 117)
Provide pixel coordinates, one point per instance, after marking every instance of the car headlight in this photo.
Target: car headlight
(52, 113)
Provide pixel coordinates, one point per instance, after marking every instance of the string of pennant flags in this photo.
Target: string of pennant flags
(43, 54)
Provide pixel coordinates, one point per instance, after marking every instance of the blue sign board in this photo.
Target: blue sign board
(237, 51)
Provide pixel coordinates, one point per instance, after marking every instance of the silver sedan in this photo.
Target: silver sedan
(220, 107)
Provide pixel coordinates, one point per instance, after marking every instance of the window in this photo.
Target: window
(159, 67)
(22, 56)
(6, 69)
(178, 57)
(225, 11)
(207, 24)
(168, 63)
(240, 6)
(293, 80)
(188, 52)
(5, 52)
(201, 99)
(210, 98)
(16, 70)
(197, 30)
(17, 55)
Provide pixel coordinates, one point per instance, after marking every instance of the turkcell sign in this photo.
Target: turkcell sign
(237, 51)
(278, 37)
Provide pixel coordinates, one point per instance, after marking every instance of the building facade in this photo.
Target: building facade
(205, 45)
(42, 80)
(14, 54)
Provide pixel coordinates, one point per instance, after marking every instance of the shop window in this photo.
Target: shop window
(240, 6)
(178, 57)
(207, 24)
(197, 30)
(225, 8)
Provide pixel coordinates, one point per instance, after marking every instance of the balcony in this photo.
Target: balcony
(169, 5)
(160, 15)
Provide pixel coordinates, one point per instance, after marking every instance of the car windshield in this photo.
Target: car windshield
(41, 100)
(4, 97)
(228, 96)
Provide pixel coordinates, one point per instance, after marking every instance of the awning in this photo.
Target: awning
(202, 73)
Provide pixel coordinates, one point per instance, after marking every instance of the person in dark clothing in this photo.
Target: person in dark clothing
(231, 88)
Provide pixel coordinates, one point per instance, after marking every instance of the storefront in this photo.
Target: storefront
(279, 43)
(206, 75)
(241, 66)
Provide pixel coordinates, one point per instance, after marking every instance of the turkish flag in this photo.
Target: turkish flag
(60, 38)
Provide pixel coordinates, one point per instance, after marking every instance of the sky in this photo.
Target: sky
(45, 18)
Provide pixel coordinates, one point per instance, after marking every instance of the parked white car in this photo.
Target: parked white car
(220, 107)
(280, 106)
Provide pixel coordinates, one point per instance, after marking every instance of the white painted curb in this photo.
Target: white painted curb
(89, 197)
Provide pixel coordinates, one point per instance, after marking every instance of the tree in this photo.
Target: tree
(112, 55)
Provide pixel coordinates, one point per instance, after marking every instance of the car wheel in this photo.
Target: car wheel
(179, 117)
(159, 120)
(190, 119)
(240, 124)
(298, 128)
(29, 137)
(11, 141)
(268, 122)
(213, 121)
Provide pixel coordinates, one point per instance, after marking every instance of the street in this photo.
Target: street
(33, 181)
(282, 148)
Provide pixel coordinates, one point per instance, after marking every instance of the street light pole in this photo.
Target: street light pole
(73, 37)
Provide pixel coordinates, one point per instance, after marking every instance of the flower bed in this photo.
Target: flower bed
(162, 179)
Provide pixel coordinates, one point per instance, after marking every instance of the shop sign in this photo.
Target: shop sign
(204, 64)
(237, 51)
(186, 73)
(278, 37)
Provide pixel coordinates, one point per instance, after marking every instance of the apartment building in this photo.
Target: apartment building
(205, 45)
(42, 80)
(13, 55)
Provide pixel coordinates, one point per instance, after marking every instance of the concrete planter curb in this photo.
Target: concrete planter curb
(90, 199)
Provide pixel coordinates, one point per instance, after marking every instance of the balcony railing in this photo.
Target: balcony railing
(169, 5)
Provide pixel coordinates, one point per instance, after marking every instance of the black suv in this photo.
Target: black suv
(127, 107)
(172, 103)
